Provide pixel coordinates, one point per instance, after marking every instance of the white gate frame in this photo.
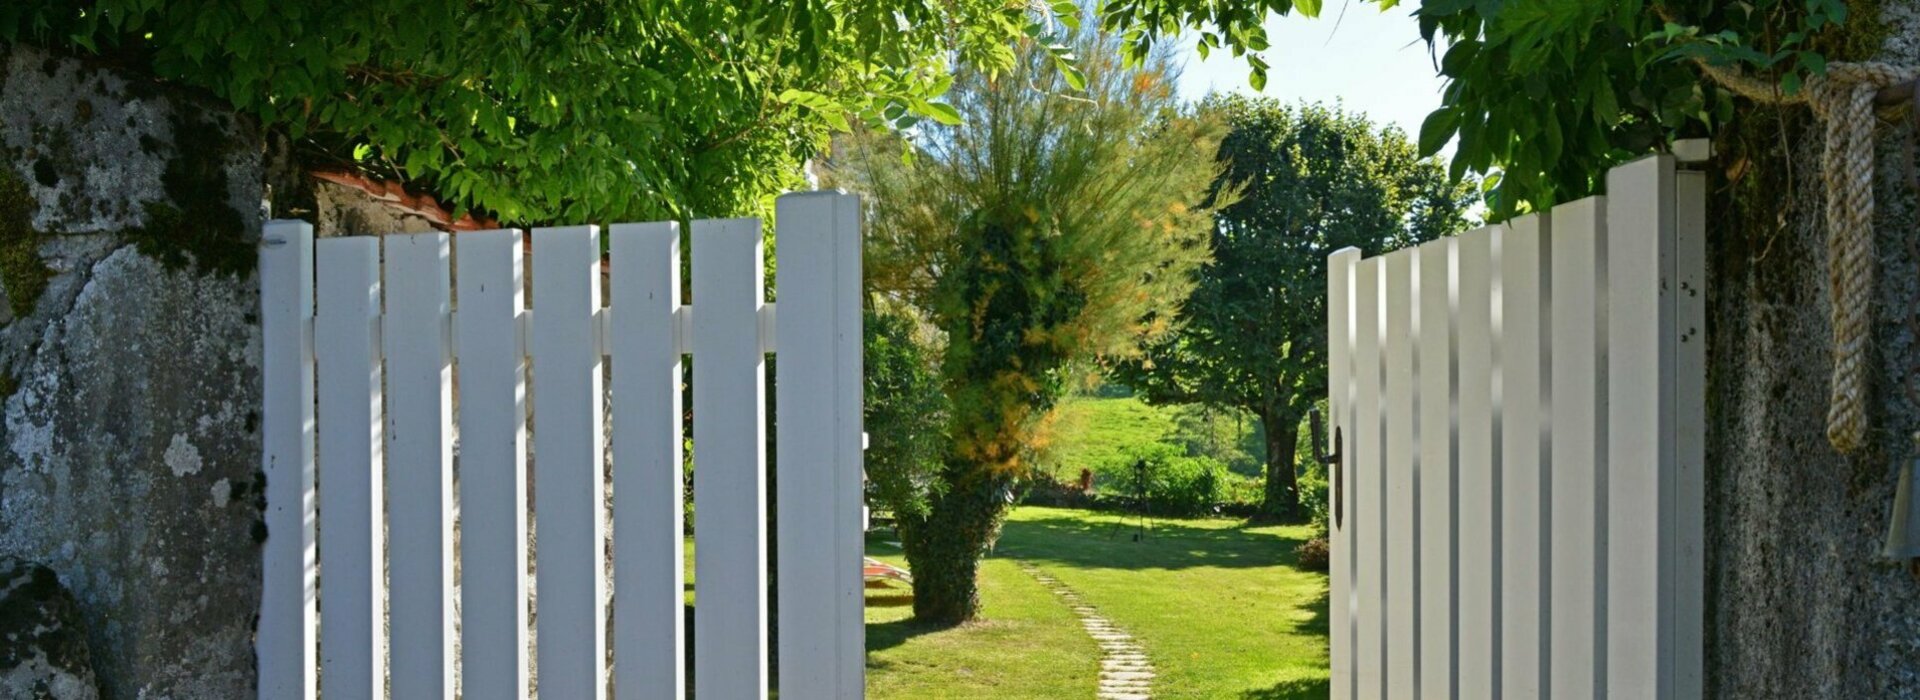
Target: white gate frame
(1523, 424)
(384, 423)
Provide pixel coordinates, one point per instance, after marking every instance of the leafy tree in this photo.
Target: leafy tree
(542, 111)
(1551, 93)
(587, 110)
(906, 413)
(1052, 227)
(1313, 180)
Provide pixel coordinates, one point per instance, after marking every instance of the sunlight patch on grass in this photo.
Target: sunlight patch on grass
(1027, 644)
(1220, 607)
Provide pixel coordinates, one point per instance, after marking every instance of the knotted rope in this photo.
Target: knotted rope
(1843, 99)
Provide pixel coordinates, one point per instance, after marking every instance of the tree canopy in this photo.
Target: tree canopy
(1057, 223)
(1546, 95)
(592, 110)
(1312, 180)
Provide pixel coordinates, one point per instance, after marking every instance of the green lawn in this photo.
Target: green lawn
(1028, 645)
(1218, 606)
(1093, 432)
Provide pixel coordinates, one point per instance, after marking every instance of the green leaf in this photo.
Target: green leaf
(1310, 8)
(1437, 129)
(1075, 79)
(943, 113)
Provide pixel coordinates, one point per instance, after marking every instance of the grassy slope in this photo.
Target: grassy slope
(1092, 431)
(1219, 607)
(1029, 645)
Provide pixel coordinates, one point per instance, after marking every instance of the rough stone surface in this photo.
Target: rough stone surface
(1799, 603)
(130, 460)
(344, 211)
(43, 644)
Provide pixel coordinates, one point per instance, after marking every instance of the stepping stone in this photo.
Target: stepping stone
(1125, 672)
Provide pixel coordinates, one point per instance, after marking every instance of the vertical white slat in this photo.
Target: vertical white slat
(729, 479)
(1637, 255)
(820, 591)
(352, 469)
(1657, 307)
(1683, 482)
(285, 642)
(850, 513)
(1578, 490)
(1401, 573)
(1340, 531)
(419, 463)
(1434, 331)
(1369, 492)
(649, 618)
(1525, 471)
(569, 487)
(849, 401)
(493, 465)
(1477, 515)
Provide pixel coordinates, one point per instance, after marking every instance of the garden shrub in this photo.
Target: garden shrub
(1312, 554)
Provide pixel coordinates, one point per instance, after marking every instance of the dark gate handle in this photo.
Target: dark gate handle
(1331, 460)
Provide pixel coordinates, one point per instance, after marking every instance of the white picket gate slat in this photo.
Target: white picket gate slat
(393, 337)
(1340, 279)
(1369, 494)
(1433, 306)
(492, 373)
(1576, 497)
(819, 499)
(286, 640)
(1477, 518)
(1402, 568)
(729, 453)
(1525, 470)
(420, 462)
(352, 487)
(649, 618)
(568, 484)
(1539, 385)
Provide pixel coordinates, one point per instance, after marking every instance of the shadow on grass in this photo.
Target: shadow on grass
(1297, 689)
(1318, 624)
(887, 635)
(1105, 541)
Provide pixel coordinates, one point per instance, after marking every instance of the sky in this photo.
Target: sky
(1372, 61)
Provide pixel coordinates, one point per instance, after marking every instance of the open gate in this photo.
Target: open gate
(1520, 480)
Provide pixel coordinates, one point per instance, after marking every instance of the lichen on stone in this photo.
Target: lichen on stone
(196, 225)
(23, 274)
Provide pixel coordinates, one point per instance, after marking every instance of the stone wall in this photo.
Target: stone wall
(129, 353)
(1800, 605)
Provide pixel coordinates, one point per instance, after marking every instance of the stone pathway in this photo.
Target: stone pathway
(1125, 672)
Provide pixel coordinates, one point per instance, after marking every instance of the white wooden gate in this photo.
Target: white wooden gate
(389, 334)
(1520, 421)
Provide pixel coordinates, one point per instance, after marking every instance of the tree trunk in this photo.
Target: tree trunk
(1282, 497)
(944, 548)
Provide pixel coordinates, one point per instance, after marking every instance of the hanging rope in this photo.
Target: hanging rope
(1843, 99)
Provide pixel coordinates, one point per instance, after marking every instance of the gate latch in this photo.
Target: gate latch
(1331, 460)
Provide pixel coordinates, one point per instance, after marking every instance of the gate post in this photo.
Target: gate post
(285, 641)
(819, 419)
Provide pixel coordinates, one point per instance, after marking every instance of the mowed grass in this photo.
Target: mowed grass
(1220, 607)
(1027, 644)
(1093, 432)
